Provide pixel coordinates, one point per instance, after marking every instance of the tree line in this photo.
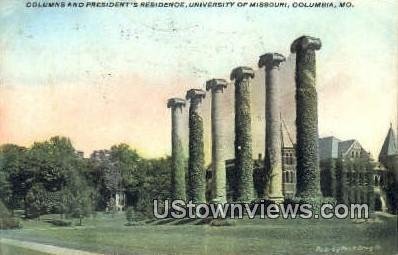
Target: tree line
(53, 177)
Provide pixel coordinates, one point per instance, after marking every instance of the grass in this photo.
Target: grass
(108, 235)
(6, 249)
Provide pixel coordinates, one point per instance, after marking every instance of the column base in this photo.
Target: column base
(218, 201)
(278, 199)
(315, 201)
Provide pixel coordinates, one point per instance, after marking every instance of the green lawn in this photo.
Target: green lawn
(6, 249)
(260, 236)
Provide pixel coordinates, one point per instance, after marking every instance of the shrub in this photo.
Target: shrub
(129, 215)
(6, 220)
(9, 223)
(60, 223)
(315, 202)
(133, 223)
(222, 223)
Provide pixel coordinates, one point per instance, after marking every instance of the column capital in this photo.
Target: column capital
(270, 60)
(305, 43)
(175, 102)
(242, 73)
(215, 84)
(194, 94)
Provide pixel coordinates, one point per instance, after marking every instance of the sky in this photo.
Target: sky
(103, 76)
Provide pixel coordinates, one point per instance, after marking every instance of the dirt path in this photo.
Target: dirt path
(46, 248)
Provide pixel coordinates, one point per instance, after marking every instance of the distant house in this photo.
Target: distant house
(333, 148)
(346, 171)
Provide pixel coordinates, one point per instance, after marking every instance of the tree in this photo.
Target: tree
(121, 169)
(57, 167)
(50, 177)
(129, 164)
(53, 161)
(35, 201)
(77, 197)
(129, 215)
(156, 183)
(6, 220)
(107, 177)
(15, 179)
(5, 189)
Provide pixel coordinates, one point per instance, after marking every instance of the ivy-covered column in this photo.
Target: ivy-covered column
(273, 143)
(243, 136)
(196, 169)
(308, 176)
(218, 185)
(178, 189)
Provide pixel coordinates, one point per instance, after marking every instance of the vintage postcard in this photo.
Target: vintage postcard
(198, 127)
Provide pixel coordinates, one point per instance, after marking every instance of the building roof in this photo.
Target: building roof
(332, 147)
(345, 146)
(286, 138)
(378, 167)
(328, 147)
(389, 147)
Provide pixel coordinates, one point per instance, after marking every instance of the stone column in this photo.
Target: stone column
(308, 176)
(196, 169)
(178, 189)
(273, 143)
(243, 136)
(218, 189)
